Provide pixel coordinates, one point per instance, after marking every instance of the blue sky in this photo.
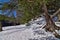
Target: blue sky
(3, 1)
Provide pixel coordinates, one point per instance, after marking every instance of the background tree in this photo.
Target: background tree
(29, 8)
(10, 7)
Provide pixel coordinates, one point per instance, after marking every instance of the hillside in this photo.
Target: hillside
(33, 31)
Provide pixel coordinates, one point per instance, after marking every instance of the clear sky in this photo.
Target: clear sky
(3, 1)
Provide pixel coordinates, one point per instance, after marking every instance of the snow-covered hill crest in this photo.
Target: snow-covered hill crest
(31, 31)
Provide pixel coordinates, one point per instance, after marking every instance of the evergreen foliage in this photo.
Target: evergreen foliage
(31, 8)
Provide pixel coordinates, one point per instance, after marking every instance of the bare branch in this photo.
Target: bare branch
(55, 13)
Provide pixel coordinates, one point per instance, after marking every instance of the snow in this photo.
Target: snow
(33, 31)
(14, 27)
(57, 23)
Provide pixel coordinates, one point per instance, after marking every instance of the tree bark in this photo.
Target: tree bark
(0, 27)
(54, 14)
(50, 25)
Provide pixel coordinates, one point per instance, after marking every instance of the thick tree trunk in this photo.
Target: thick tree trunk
(50, 25)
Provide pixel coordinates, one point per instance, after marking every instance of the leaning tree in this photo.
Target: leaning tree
(50, 25)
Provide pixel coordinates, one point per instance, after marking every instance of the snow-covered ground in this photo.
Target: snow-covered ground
(31, 31)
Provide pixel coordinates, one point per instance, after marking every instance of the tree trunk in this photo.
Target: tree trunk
(50, 25)
(0, 27)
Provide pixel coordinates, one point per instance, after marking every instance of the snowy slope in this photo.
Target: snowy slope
(33, 31)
